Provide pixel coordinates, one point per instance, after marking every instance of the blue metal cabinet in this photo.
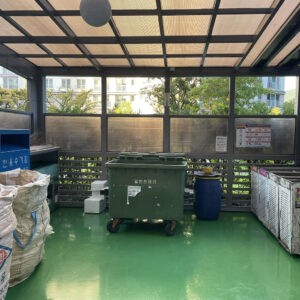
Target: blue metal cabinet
(14, 149)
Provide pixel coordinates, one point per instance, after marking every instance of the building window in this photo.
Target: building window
(49, 83)
(97, 84)
(66, 83)
(81, 84)
(10, 83)
(121, 85)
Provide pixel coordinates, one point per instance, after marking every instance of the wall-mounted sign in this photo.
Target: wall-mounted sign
(253, 136)
(221, 143)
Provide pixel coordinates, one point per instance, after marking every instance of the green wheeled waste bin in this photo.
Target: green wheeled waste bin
(146, 186)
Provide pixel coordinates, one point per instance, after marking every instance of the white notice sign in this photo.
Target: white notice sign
(221, 143)
(253, 136)
(132, 191)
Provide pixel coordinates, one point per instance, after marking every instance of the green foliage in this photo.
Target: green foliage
(289, 107)
(246, 89)
(213, 95)
(209, 95)
(14, 99)
(70, 102)
(124, 107)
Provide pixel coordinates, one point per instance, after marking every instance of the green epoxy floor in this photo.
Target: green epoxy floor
(232, 258)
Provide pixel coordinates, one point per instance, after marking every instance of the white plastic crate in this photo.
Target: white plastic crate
(98, 185)
(272, 206)
(262, 195)
(289, 211)
(254, 189)
(94, 205)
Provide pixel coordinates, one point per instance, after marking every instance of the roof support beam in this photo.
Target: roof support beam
(47, 7)
(262, 30)
(281, 40)
(162, 32)
(128, 39)
(160, 72)
(120, 42)
(132, 56)
(145, 12)
(211, 27)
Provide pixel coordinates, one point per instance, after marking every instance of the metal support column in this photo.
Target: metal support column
(230, 142)
(104, 126)
(166, 122)
(297, 129)
(36, 90)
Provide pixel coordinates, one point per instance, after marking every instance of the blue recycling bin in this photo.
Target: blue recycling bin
(14, 149)
(208, 197)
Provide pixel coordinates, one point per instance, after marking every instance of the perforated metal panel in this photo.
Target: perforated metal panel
(254, 191)
(285, 216)
(272, 207)
(262, 198)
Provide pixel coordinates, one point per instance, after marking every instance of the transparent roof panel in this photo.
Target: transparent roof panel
(81, 28)
(7, 29)
(19, 5)
(137, 25)
(115, 4)
(133, 4)
(289, 48)
(144, 48)
(77, 62)
(104, 49)
(184, 62)
(65, 5)
(220, 61)
(44, 62)
(288, 8)
(26, 48)
(153, 62)
(63, 48)
(195, 48)
(115, 62)
(39, 26)
(187, 4)
(237, 24)
(186, 25)
(246, 3)
(234, 48)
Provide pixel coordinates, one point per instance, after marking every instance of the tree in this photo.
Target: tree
(124, 107)
(70, 102)
(181, 98)
(14, 99)
(209, 95)
(289, 107)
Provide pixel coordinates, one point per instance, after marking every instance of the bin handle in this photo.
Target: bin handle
(33, 215)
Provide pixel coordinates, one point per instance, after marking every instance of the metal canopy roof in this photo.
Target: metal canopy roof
(163, 34)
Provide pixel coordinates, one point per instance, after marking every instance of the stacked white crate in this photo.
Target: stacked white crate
(254, 189)
(289, 212)
(262, 195)
(96, 203)
(277, 203)
(272, 204)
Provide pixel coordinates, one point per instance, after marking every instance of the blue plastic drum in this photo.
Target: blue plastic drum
(208, 197)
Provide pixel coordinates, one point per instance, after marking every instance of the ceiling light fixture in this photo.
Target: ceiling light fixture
(95, 12)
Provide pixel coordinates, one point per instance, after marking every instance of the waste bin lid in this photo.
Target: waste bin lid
(129, 156)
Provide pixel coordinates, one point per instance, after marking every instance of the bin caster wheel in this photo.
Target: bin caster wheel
(170, 228)
(113, 226)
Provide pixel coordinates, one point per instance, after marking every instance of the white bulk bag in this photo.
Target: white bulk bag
(8, 224)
